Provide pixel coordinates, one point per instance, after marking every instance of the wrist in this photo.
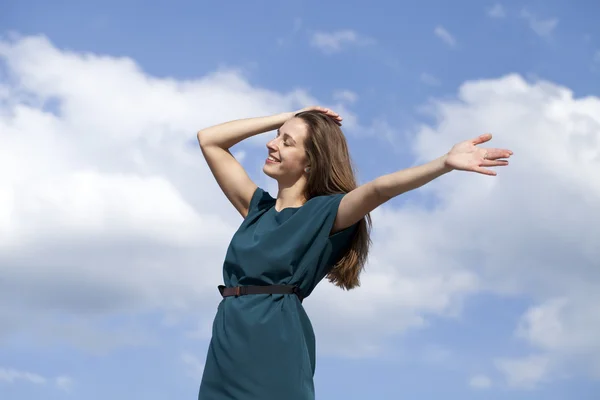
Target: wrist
(443, 160)
(284, 116)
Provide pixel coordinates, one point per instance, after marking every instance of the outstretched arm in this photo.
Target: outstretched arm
(465, 156)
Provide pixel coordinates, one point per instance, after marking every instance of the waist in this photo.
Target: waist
(237, 291)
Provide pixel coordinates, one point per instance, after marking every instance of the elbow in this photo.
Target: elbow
(201, 138)
(207, 138)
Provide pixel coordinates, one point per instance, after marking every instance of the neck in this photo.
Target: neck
(290, 195)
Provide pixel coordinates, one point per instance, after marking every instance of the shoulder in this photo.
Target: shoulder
(261, 195)
(328, 201)
(261, 200)
(322, 208)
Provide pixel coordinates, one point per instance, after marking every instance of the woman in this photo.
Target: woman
(262, 345)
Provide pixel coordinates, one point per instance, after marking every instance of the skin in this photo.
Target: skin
(288, 148)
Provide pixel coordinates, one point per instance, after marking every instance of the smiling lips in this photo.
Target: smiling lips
(272, 160)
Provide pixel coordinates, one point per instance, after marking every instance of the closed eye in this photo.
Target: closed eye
(285, 138)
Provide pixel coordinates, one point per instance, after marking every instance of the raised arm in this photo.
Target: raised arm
(465, 156)
(215, 143)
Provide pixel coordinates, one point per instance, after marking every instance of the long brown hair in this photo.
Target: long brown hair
(332, 172)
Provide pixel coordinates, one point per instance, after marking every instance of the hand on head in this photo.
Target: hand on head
(335, 116)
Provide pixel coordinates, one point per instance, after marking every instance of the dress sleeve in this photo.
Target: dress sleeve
(260, 201)
(339, 241)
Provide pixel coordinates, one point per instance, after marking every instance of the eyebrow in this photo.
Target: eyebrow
(285, 135)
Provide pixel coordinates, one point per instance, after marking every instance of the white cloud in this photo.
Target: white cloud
(345, 96)
(446, 37)
(64, 383)
(295, 28)
(11, 375)
(194, 366)
(114, 214)
(565, 330)
(480, 382)
(542, 27)
(551, 256)
(524, 373)
(119, 212)
(496, 11)
(429, 262)
(429, 79)
(333, 42)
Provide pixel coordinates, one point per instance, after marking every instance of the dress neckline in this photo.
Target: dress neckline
(285, 209)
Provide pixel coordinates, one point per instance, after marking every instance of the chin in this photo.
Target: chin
(267, 172)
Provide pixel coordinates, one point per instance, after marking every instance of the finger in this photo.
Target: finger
(494, 163)
(335, 116)
(330, 113)
(484, 171)
(318, 109)
(482, 138)
(494, 154)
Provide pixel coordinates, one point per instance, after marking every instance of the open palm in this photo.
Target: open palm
(466, 156)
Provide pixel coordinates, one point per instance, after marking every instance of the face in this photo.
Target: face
(286, 153)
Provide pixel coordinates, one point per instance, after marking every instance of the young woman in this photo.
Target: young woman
(263, 345)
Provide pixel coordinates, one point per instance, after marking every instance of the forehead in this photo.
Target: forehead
(296, 128)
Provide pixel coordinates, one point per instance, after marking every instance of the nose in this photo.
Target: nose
(271, 145)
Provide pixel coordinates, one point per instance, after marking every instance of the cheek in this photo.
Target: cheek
(290, 156)
(298, 160)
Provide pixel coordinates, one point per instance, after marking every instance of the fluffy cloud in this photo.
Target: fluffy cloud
(429, 79)
(106, 207)
(334, 42)
(480, 382)
(345, 96)
(194, 366)
(445, 36)
(104, 196)
(533, 230)
(11, 375)
(541, 27)
(526, 372)
(496, 11)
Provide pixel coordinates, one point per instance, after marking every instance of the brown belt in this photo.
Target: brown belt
(268, 289)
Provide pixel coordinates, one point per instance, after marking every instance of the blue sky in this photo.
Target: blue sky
(497, 275)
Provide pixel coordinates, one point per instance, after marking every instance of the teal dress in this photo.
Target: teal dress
(263, 345)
